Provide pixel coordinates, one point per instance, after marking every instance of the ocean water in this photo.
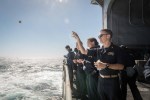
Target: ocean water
(30, 79)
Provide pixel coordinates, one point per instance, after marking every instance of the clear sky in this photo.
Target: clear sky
(46, 26)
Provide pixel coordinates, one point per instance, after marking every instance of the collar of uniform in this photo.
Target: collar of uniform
(104, 50)
(111, 46)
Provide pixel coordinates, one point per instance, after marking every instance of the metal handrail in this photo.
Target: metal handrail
(67, 95)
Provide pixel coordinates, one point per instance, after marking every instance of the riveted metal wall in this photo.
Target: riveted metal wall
(130, 22)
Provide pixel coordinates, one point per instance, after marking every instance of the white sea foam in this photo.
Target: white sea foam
(30, 79)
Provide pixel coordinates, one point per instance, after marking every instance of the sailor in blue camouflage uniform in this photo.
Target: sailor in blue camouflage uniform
(91, 71)
(147, 71)
(70, 57)
(81, 76)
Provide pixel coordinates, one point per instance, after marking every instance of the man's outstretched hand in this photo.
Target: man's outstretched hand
(75, 35)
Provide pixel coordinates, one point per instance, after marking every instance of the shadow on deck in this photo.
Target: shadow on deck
(144, 90)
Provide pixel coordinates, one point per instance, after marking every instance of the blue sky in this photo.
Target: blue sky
(46, 26)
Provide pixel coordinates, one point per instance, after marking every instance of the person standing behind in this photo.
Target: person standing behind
(129, 75)
(109, 63)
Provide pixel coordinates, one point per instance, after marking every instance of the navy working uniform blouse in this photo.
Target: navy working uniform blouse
(111, 55)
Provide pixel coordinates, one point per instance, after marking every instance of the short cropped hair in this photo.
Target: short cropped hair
(108, 32)
(93, 40)
(67, 47)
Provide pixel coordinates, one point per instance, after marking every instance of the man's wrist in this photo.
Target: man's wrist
(106, 65)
